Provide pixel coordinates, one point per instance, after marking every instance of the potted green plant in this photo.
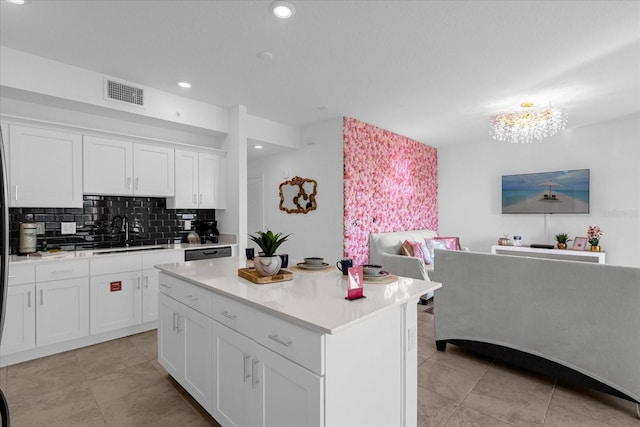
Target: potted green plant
(267, 263)
(562, 239)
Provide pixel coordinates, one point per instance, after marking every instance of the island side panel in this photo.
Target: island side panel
(371, 374)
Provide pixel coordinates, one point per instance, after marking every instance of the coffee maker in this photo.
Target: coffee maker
(208, 231)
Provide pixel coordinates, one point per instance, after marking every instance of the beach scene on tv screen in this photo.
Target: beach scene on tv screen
(546, 192)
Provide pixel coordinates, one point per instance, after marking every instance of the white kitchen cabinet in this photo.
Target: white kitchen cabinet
(20, 319)
(199, 181)
(114, 167)
(45, 168)
(253, 386)
(62, 311)
(184, 348)
(151, 280)
(116, 301)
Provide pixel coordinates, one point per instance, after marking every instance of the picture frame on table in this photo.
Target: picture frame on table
(579, 244)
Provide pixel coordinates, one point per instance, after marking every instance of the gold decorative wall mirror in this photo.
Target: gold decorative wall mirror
(298, 195)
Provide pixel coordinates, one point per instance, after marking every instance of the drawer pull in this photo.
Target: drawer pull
(174, 321)
(192, 298)
(29, 299)
(279, 340)
(247, 369)
(254, 373)
(12, 277)
(165, 286)
(229, 315)
(61, 271)
(146, 282)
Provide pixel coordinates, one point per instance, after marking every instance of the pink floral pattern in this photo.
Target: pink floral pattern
(390, 184)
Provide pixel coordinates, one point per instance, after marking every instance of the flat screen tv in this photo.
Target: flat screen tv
(560, 192)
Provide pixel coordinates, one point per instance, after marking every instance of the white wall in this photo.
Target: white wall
(470, 188)
(319, 232)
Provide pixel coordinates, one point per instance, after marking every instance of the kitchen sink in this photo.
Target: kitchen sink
(129, 249)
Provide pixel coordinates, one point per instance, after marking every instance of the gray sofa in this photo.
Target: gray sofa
(573, 320)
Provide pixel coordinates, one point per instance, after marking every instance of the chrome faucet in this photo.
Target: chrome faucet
(122, 224)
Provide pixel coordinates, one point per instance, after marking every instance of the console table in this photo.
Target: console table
(562, 254)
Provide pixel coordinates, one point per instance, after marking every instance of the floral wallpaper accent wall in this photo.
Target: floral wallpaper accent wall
(390, 184)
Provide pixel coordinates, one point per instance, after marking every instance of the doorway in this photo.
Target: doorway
(255, 205)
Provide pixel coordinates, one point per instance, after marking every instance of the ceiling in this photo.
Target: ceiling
(431, 70)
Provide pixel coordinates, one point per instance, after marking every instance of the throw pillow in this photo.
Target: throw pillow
(406, 249)
(432, 245)
(452, 243)
(420, 251)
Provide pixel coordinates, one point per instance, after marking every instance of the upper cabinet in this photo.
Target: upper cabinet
(200, 181)
(113, 167)
(45, 168)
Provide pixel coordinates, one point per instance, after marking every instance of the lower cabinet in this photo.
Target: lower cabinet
(184, 347)
(62, 310)
(116, 301)
(237, 380)
(150, 287)
(253, 386)
(20, 319)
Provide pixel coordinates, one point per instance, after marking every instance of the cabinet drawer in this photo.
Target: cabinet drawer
(233, 314)
(115, 264)
(299, 344)
(21, 274)
(149, 260)
(60, 270)
(190, 295)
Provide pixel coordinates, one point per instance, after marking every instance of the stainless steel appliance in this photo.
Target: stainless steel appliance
(206, 253)
(4, 260)
(28, 237)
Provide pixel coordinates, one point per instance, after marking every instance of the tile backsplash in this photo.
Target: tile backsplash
(95, 226)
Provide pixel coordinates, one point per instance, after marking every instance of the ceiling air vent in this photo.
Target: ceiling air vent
(124, 93)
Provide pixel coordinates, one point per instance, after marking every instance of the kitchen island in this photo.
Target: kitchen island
(292, 353)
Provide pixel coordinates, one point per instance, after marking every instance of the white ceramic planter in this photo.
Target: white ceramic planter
(267, 265)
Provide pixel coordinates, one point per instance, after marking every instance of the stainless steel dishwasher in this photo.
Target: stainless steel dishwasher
(207, 253)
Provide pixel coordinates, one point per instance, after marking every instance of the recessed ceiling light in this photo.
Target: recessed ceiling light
(265, 55)
(258, 147)
(185, 85)
(282, 9)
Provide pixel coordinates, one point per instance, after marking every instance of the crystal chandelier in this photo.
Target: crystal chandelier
(529, 124)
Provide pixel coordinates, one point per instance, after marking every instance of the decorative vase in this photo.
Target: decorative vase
(267, 265)
(562, 246)
(595, 248)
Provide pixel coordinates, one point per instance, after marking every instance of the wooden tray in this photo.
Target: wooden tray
(252, 275)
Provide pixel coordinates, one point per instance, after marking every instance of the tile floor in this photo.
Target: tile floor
(120, 383)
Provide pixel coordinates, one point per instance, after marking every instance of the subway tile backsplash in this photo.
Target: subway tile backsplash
(94, 222)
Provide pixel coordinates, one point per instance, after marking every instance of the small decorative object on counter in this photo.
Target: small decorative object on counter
(269, 263)
(517, 240)
(344, 265)
(505, 241)
(562, 239)
(594, 233)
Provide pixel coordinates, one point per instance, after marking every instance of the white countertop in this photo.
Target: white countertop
(312, 299)
(67, 255)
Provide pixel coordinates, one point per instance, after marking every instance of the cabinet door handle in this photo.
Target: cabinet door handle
(178, 316)
(61, 271)
(200, 198)
(16, 193)
(137, 182)
(229, 315)
(29, 299)
(174, 321)
(146, 282)
(279, 340)
(194, 199)
(127, 183)
(41, 297)
(247, 368)
(12, 277)
(254, 373)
